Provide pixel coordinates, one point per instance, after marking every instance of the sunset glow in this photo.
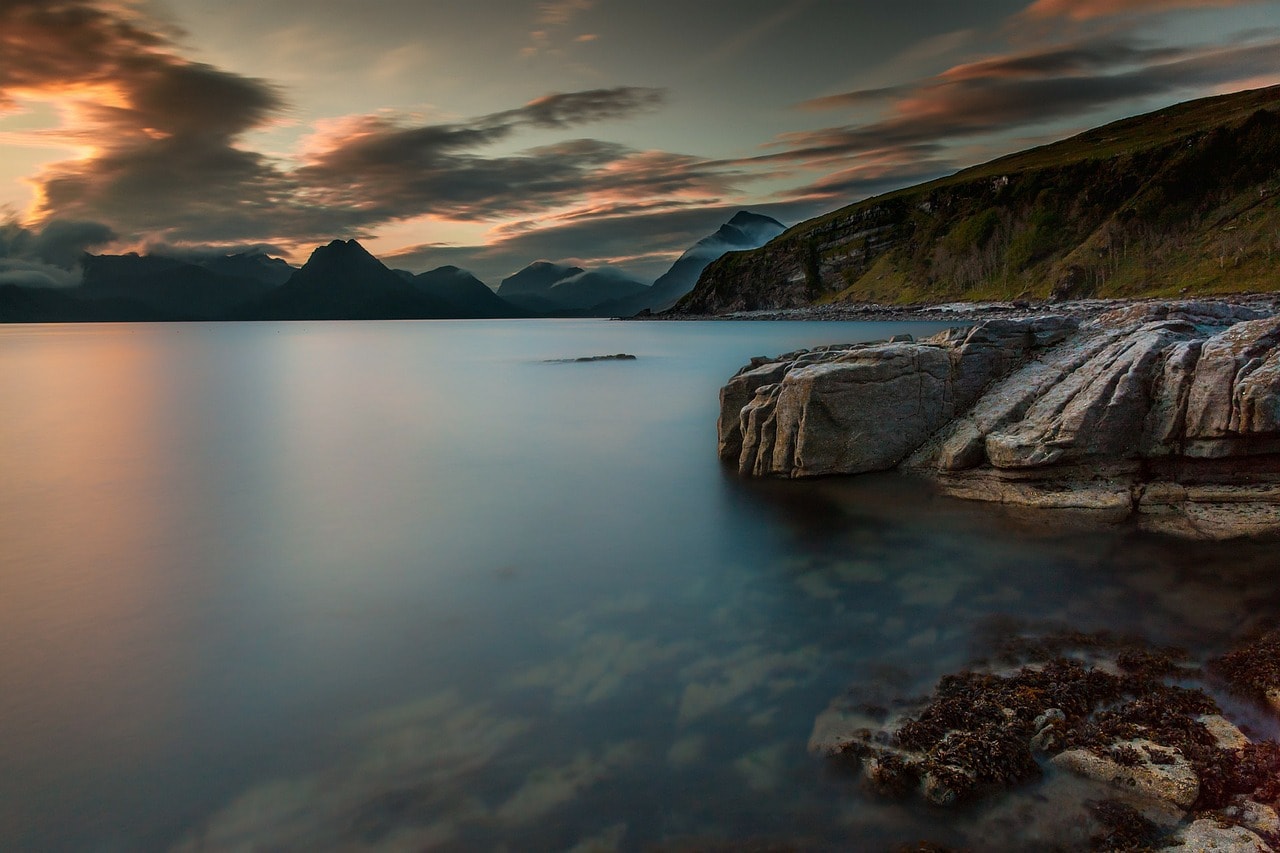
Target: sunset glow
(560, 135)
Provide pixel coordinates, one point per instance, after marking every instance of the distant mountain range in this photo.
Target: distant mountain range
(343, 281)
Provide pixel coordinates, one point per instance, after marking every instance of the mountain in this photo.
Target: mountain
(586, 290)
(468, 295)
(20, 304)
(746, 230)
(549, 289)
(255, 266)
(537, 278)
(172, 289)
(1183, 200)
(342, 281)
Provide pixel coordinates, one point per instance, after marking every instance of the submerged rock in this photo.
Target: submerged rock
(1169, 413)
(1146, 769)
(1211, 836)
(1155, 763)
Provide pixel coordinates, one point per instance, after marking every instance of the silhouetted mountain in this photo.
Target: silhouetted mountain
(469, 296)
(256, 266)
(746, 230)
(173, 289)
(537, 278)
(20, 304)
(342, 281)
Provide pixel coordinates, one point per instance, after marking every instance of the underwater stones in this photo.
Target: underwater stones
(1165, 413)
(1171, 779)
(1210, 836)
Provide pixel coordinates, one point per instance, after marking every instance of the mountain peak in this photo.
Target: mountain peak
(746, 217)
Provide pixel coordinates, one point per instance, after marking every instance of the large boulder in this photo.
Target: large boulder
(1168, 411)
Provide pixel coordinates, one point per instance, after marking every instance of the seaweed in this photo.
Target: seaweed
(1253, 669)
(1125, 830)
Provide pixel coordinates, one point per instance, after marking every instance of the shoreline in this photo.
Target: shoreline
(966, 312)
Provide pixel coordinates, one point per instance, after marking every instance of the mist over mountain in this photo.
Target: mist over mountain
(537, 278)
(559, 290)
(746, 230)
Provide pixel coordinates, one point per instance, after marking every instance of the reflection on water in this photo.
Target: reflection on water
(407, 586)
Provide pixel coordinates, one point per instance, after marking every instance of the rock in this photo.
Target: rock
(1174, 782)
(1166, 413)
(1210, 836)
(835, 727)
(1257, 817)
(1224, 732)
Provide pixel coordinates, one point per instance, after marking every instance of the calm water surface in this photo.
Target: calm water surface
(406, 585)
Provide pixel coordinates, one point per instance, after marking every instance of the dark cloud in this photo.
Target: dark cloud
(561, 110)
(48, 257)
(168, 163)
(61, 242)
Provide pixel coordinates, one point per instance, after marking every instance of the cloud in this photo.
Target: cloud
(62, 242)
(873, 173)
(1083, 10)
(998, 94)
(48, 257)
(552, 18)
(559, 13)
(164, 158)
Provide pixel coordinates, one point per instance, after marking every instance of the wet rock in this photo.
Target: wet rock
(1257, 817)
(1210, 836)
(1174, 781)
(1224, 732)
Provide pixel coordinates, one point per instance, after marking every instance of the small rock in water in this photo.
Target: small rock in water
(619, 356)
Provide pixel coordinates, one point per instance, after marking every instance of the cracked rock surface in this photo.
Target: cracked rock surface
(1167, 412)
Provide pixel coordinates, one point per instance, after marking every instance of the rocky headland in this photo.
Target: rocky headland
(1164, 413)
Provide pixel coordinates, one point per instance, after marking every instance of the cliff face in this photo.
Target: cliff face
(1184, 200)
(1171, 412)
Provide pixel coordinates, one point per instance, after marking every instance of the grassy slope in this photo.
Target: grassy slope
(1184, 200)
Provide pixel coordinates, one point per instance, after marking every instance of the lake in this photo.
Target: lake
(411, 585)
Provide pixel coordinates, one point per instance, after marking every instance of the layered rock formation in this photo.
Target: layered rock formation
(1167, 411)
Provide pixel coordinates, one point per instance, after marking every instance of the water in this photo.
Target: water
(407, 585)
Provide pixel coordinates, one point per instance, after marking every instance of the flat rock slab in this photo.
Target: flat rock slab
(1174, 782)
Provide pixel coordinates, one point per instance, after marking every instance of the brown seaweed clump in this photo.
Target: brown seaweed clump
(1123, 828)
(980, 731)
(1253, 669)
(1127, 720)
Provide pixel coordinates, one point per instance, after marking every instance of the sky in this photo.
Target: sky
(492, 133)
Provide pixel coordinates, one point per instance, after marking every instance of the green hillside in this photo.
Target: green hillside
(1185, 200)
